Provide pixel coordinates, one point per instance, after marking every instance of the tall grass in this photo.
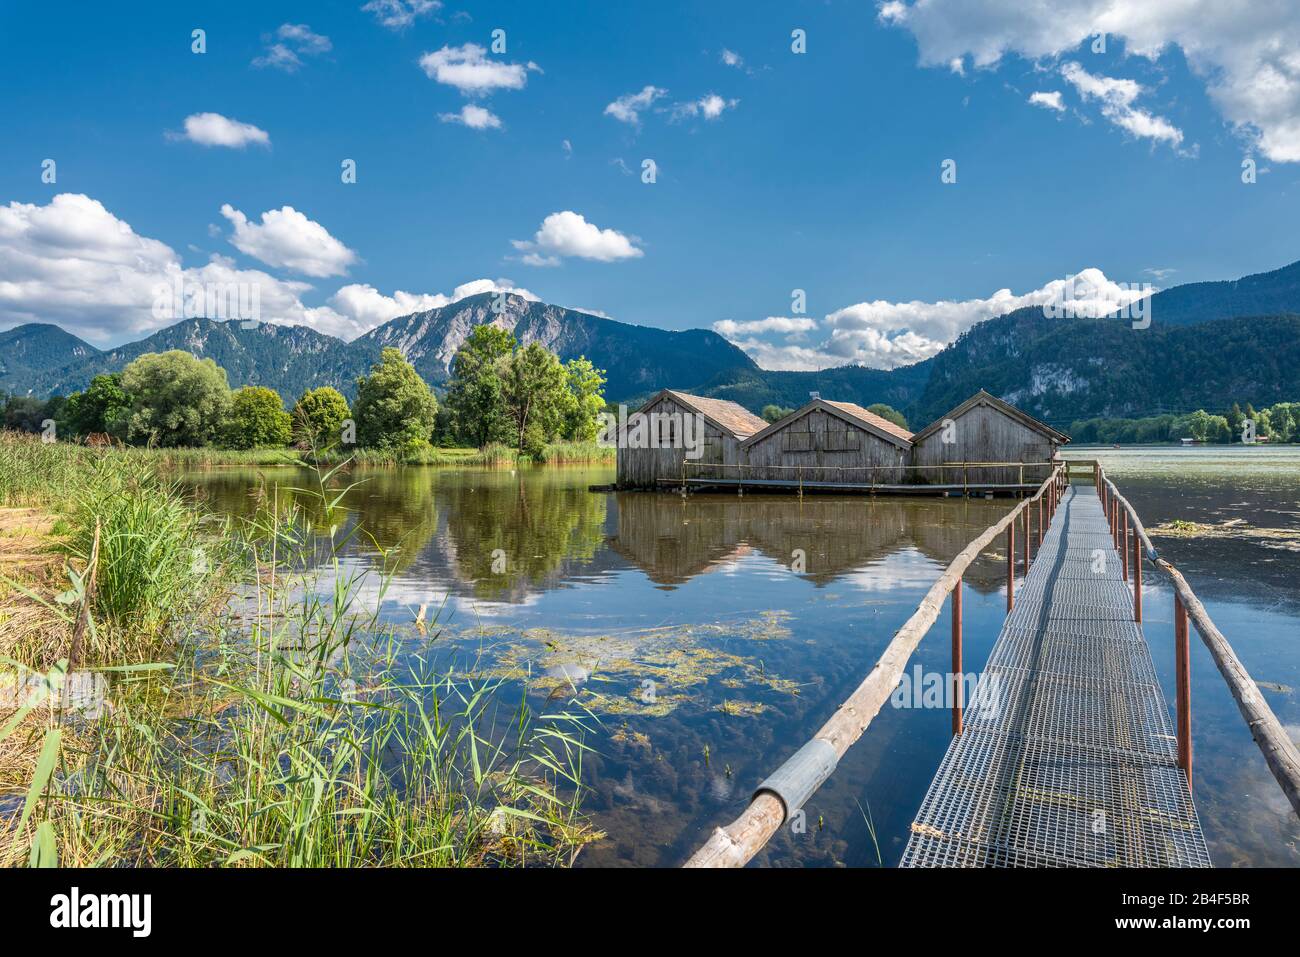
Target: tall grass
(35, 473)
(288, 727)
(153, 560)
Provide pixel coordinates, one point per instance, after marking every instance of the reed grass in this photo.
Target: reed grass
(258, 713)
(18, 450)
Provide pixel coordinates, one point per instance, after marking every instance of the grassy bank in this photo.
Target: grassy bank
(180, 691)
(493, 456)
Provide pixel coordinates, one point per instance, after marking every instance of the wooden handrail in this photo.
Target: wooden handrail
(1278, 749)
(738, 842)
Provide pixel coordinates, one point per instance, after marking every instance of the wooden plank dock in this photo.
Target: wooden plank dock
(1068, 757)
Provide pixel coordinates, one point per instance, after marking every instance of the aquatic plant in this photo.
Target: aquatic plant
(282, 727)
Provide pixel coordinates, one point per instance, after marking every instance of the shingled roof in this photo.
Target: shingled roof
(878, 421)
(854, 414)
(983, 397)
(726, 415)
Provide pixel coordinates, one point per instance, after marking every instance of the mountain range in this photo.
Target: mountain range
(1209, 344)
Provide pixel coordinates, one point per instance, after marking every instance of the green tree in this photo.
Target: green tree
(176, 399)
(476, 411)
(97, 409)
(534, 386)
(888, 413)
(1235, 419)
(585, 400)
(1283, 421)
(774, 413)
(256, 420)
(318, 418)
(394, 411)
(26, 414)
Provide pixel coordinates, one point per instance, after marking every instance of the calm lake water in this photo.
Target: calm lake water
(712, 636)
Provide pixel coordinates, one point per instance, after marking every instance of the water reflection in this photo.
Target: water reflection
(710, 636)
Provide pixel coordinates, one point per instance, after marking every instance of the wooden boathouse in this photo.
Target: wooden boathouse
(986, 429)
(985, 445)
(828, 442)
(652, 444)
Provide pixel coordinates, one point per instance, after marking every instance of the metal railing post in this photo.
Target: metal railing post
(1137, 577)
(1124, 551)
(1183, 670)
(1026, 512)
(1011, 565)
(956, 660)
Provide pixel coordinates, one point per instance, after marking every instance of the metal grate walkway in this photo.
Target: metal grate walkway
(1068, 757)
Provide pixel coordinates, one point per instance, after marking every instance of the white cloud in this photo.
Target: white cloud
(292, 42)
(710, 106)
(1246, 53)
(286, 238)
(790, 326)
(279, 57)
(399, 14)
(1050, 100)
(73, 262)
(731, 58)
(367, 307)
(468, 69)
(628, 107)
(213, 129)
(884, 335)
(1116, 96)
(568, 234)
(280, 300)
(475, 117)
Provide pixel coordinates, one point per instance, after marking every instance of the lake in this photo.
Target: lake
(709, 637)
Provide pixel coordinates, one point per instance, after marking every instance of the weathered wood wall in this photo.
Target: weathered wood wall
(641, 468)
(822, 447)
(983, 434)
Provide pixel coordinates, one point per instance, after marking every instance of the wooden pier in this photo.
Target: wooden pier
(1066, 756)
(945, 479)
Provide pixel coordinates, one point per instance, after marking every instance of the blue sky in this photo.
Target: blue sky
(776, 170)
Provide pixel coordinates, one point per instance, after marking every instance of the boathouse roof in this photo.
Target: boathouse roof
(732, 418)
(987, 398)
(847, 411)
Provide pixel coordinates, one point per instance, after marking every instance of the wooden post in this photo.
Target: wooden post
(1137, 577)
(1011, 565)
(1040, 523)
(1183, 670)
(957, 683)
